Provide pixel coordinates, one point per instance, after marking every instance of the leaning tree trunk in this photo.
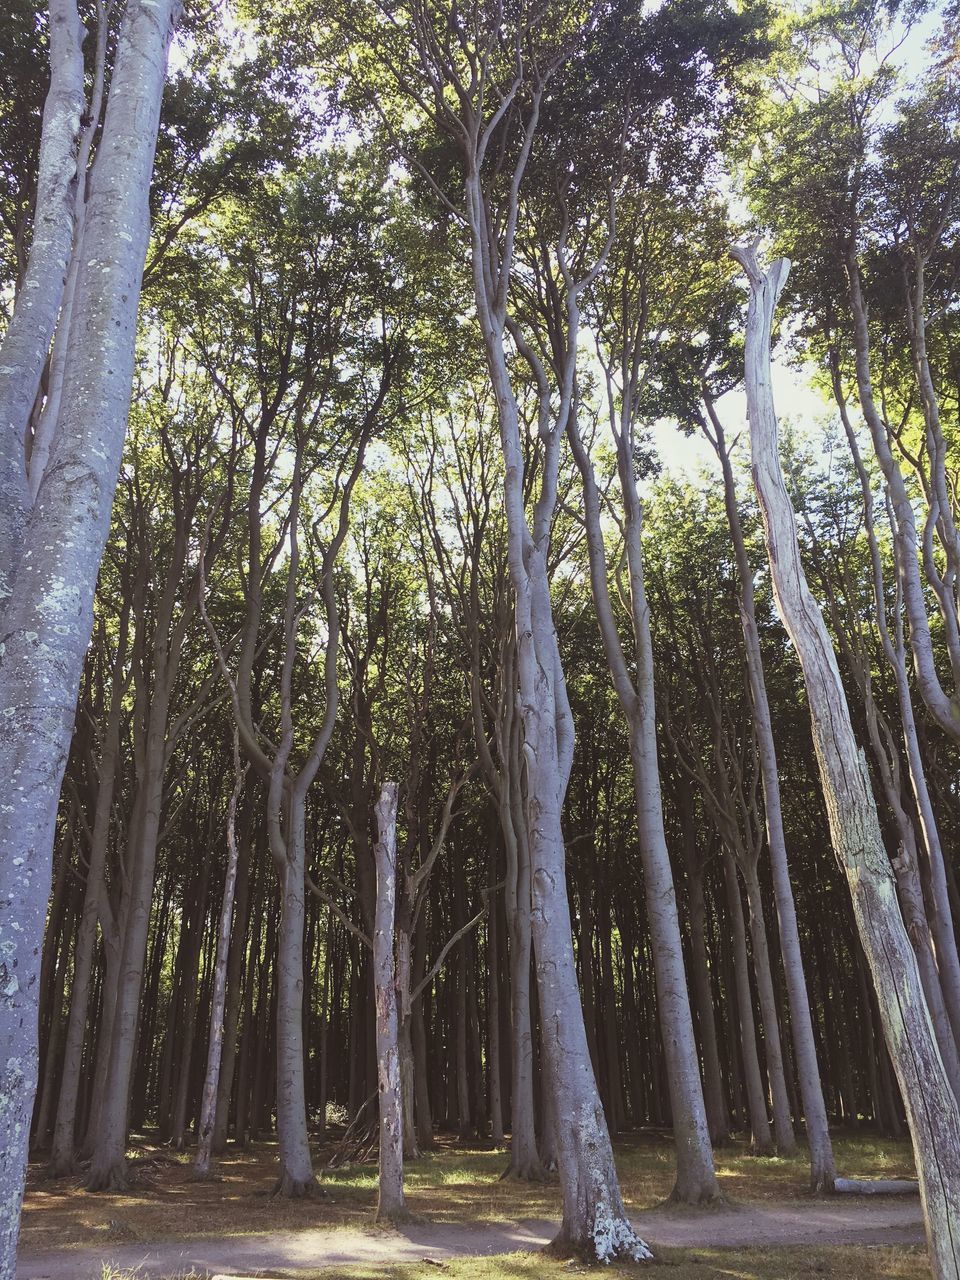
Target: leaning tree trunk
(48, 617)
(390, 1201)
(931, 1106)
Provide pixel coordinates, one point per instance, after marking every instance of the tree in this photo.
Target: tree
(931, 1105)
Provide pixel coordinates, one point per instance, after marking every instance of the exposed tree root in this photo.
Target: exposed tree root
(114, 1179)
(697, 1199)
(289, 1188)
(622, 1246)
(529, 1171)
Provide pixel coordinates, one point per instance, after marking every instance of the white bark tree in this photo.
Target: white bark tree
(48, 617)
(391, 1205)
(931, 1106)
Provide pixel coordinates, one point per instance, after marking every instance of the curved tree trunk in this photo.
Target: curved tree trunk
(931, 1106)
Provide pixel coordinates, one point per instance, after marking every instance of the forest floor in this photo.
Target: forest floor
(170, 1225)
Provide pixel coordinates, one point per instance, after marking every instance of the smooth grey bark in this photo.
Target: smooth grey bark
(390, 1200)
(48, 618)
(931, 1106)
(696, 1181)
(595, 1222)
(45, 425)
(156, 664)
(26, 343)
(525, 1162)
(289, 782)
(218, 999)
(822, 1166)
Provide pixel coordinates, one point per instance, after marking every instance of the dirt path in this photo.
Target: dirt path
(856, 1221)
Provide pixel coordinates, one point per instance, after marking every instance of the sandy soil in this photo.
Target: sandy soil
(850, 1222)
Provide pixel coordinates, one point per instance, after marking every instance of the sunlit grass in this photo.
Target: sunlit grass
(671, 1264)
(453, 1184)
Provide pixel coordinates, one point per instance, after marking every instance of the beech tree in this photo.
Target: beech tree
(47, 612)
(854, 825)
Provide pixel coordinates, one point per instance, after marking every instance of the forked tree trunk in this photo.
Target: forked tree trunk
(390, 1201)
(48, 618)
(595, 1222)
(26, 342)
(773, 1047)
(931, 1106)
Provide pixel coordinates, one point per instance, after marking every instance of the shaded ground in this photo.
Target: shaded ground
(858, 1222)
(171, 1225)
(451, 1185)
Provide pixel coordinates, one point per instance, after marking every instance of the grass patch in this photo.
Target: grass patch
(450, 1184)
(840, 1263)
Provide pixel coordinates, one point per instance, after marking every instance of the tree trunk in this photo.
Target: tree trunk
(493, 1026)
(822, 1168)
(296, 1169)
(390, 1202)
(776, 1074)
(696, 1179)
(47, 620)
(211, 1080)
(236, 980)
(761, 1140)
(931, 1106)
(524, 1158)
(95, 905)
(718, 1117)
(26, 342)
